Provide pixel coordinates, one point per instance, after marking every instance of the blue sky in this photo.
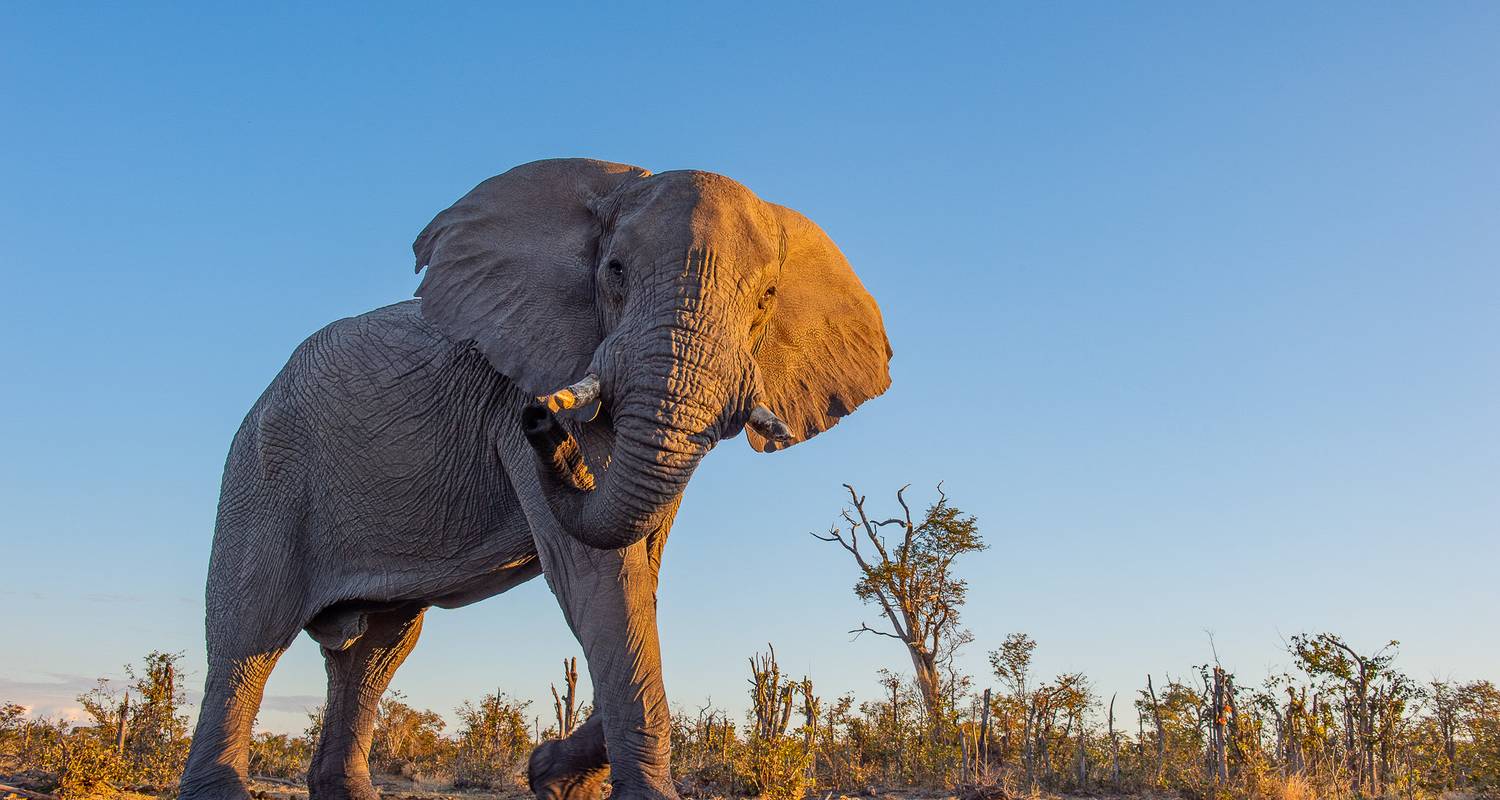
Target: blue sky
(1218, 284)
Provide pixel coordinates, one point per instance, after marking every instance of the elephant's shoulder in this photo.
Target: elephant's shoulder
(394, 337)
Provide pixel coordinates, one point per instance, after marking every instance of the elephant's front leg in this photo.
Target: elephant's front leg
(609, 599)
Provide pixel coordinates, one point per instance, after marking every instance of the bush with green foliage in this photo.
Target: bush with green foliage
(84, 761)
(493, 743)
(775, 768)
(408, 741)
(279, 755)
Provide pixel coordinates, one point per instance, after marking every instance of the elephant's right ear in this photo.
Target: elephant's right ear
(824, 350)
(510, 266)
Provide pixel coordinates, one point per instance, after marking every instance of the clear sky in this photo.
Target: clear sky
(1194, 305)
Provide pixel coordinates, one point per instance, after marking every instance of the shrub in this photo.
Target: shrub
(278, 755)
(776, 768)
(87, 764)
(407, 741)
(493, 743)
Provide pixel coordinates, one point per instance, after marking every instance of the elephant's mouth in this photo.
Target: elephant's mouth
(559, 451)
(646, 475)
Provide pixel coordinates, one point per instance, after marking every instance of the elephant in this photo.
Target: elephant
(584, 333)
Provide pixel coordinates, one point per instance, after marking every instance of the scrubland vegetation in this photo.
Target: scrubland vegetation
(1344, 722)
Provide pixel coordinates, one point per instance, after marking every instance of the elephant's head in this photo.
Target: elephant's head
(681, 303)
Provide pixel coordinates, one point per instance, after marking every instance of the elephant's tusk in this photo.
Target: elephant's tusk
(580, 394)
(765, 422)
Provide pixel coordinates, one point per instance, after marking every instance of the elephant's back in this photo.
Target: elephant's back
(377, 440)
(368, 350)
(386, 388)
(341, 374)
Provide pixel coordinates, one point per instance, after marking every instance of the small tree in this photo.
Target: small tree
(1364, 685)
(1479, 718)
(912, 581)
(1011, 663)
(279, 755)
(15, 735)
(492, 742)
(143, 726)
(157, 743)
(406, 740)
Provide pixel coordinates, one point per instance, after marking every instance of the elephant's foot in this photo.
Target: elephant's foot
(643, 792)
(341, 787)
(225, 787)
(556, 772)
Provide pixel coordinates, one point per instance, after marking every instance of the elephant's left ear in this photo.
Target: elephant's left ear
(825, 351)
(510, 267)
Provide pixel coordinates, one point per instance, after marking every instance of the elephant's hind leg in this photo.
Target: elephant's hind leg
(357, 676)
(573, 768)
(219, 762)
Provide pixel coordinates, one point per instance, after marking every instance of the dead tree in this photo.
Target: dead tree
(771, 698)
(1216, 692)
(1140, 735)
(966, 756)
(1114, 746)
(1161, 734)
(911, 581)
(1027, 739)
(1291, 731)
(120, 724)
(1080, 757)
(811, 707)
(984, 737)
(1231, 711)
(566, 705)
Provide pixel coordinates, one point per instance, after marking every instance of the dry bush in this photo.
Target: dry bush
(408, 742)
(493, 743)
(277, 755)
(1294, 787)
(85, 763)
(776, 768)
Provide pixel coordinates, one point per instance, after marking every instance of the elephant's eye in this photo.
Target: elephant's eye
(766, 298)
(615, 267)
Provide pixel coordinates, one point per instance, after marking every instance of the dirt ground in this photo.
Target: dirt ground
(397, 789)
(272, 789)
(389, 790)
(405, 790)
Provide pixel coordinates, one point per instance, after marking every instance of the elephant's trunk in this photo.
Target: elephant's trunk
(665, 421)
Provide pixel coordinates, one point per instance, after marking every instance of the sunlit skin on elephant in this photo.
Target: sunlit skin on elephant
(585, 332)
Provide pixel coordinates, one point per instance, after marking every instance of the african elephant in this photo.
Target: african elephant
(422, 454)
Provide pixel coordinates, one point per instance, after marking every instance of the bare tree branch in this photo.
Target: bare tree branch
(863, 628)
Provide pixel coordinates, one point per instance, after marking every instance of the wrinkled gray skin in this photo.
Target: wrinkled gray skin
(386, 470)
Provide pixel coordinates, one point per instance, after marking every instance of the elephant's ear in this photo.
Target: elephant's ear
(825, 349)
(510, 266)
